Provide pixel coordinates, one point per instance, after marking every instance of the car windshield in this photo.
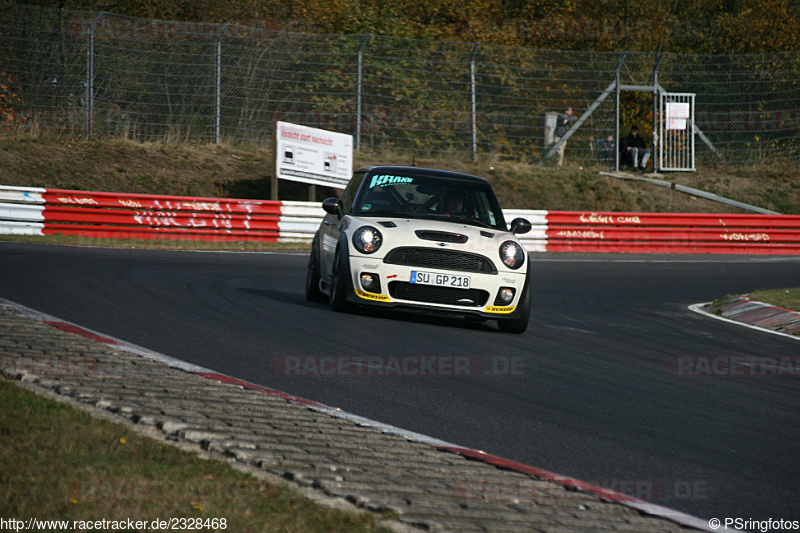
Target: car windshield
(430, 197)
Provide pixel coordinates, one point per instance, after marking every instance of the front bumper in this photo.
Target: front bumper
(397, 291)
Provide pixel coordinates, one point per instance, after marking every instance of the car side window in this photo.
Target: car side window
(349, 194)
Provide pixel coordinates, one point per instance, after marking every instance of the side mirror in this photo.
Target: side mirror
(333, 206)
(520, 226)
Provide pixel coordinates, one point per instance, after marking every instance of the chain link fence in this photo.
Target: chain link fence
(101, 75)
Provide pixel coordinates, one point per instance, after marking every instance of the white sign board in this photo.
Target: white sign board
(677, 115)
(314, 156)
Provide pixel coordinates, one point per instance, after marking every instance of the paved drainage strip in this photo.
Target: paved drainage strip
(426, 483)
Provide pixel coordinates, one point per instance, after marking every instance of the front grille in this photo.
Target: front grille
(438, 295)
(440, 259)
(441, 236)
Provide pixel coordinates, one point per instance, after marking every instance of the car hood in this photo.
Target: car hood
(435, 234)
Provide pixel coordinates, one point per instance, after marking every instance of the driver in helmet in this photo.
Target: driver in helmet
(455, 203)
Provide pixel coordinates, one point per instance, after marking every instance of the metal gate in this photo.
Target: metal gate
(676, 131)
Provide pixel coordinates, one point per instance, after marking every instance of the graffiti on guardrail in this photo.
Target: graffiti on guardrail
(98, 215)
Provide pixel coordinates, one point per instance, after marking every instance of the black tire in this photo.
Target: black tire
(339, 281)
(313, 294)
(519, 323)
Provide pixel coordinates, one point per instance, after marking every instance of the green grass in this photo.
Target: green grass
(786, 298)
(59, 463)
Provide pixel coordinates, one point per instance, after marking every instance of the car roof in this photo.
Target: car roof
(446, 174)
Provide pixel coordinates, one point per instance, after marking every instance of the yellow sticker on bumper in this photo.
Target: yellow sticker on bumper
(499, 310)
(373, 296)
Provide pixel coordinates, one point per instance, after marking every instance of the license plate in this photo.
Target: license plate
(440, 280)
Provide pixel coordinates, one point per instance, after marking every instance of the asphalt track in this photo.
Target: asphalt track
(587, 392)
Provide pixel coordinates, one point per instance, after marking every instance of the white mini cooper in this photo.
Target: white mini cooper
(423, 239)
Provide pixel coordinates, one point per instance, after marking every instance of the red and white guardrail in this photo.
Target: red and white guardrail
(701, 233)
(38, 211)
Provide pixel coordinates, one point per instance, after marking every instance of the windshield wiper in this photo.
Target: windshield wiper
(467, 220)
(386, 213)
(460, 220)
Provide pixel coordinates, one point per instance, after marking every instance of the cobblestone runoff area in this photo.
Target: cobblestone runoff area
(763, 315)
(344, 462)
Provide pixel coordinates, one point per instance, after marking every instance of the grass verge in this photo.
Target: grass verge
(235, 171)
(59, 463)
(786, 298)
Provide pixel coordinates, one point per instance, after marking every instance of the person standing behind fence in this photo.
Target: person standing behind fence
(607, 151)
(563, 123)
(634, 146)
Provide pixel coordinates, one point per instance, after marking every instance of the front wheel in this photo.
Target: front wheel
(313, 293)
(339, 282)
(520, 323)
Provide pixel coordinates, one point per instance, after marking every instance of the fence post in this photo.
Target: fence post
(218, 83)
(617, 140)
(90, 77)
(656, 118)
(358, 91)
(474, 103)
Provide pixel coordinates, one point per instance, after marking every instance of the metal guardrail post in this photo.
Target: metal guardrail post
(358, 90)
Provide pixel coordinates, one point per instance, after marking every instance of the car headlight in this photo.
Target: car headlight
(367, 239)
(511, 254)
